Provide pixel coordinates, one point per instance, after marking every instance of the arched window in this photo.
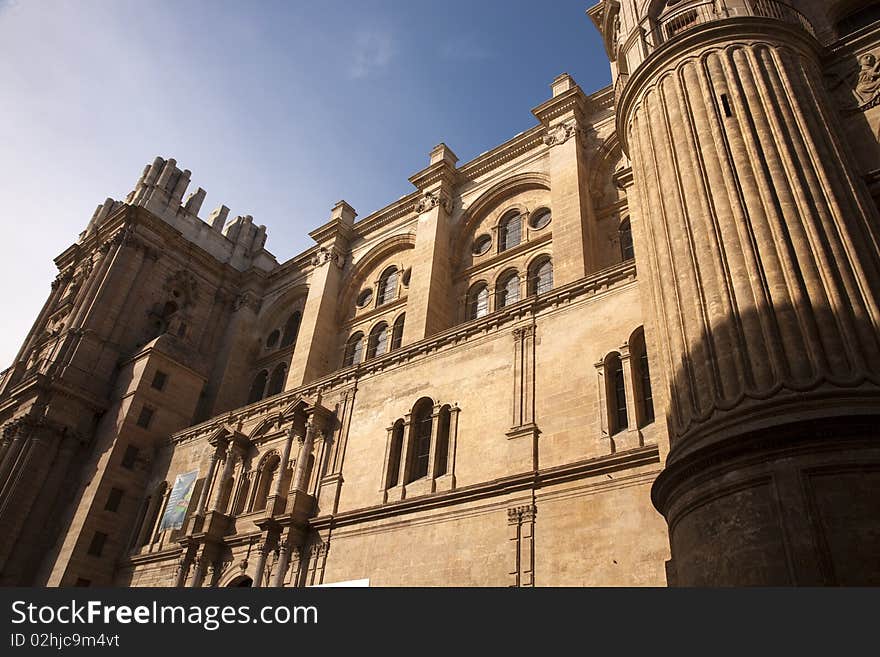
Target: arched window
(397, 332)
(478, 301)
(507, 290)
(616, 393)
(265, 477)
(276, 382)
(394, 455)
(378, 341)
(541, 276)
(421, 436)
(641, 378)
(272, 340)
(509, 231)
(442, 449)
(354, 350)
(626, 241)
(291, 329)
(387, 287)
(258, 387)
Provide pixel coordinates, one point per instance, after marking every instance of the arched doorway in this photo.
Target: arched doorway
(242, 580)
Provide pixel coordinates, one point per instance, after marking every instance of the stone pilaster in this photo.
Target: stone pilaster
(430, 305)
(316, 352)
(574, 238)
(523, 434)
(521, 524)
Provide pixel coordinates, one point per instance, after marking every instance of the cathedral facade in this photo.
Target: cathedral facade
(637, 344)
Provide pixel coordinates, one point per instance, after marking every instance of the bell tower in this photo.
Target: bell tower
(758, 244)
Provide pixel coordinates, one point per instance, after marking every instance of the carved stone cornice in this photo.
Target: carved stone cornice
(572, 101)
(592, 470)
(27, 425)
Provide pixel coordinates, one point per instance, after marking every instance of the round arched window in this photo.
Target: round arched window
(365, 297)
(482, 245)
(540, 219)
(272, 340)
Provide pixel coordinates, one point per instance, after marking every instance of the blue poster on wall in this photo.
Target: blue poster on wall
(178, 501)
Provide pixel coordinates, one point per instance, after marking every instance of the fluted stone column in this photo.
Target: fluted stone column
(303, 470)
(278, 492)
(225, 476)
(260, 568)
(760, 248)
(282, 565)
(199, 570)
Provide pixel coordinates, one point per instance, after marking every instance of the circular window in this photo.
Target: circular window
(482, 244)
(272, 340)
(364, 298)
(539, 219)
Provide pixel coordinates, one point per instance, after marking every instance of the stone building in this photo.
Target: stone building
(636, 344)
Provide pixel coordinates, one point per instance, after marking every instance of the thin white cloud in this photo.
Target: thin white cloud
(372, 51)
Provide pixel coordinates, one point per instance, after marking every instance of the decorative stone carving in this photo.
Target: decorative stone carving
(182, 288)
(560, 133)
(519, 514)
(26, 425)
(430, 200)
(318, 550)
(249, 300)
(222, 297)
(324, 255)
(857, 89)
(868, 85)
(522, 332)
(62, 277)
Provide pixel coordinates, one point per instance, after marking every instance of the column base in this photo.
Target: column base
(792, 505)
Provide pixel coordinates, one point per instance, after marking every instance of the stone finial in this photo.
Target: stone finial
(155, 171)
(167, 172)
(442, 152)
(217, 218)
(194, 201)
(562, 83)
(343, 212)
(180, 186)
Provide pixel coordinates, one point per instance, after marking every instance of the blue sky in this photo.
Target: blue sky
(279, 109)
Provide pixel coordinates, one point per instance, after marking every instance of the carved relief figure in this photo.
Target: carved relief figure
(868, 86)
